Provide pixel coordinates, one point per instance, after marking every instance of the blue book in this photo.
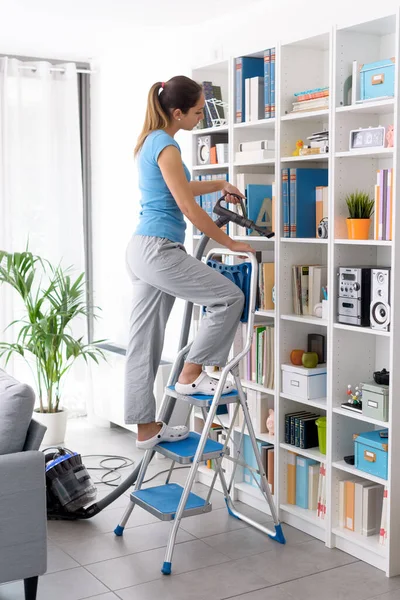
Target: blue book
(302, 464)
(245, 68)
(285, 203)
(259, 206)
(267, 84)
(272, 83)
(302, 200)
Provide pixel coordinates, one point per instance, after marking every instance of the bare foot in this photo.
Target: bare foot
(190, 373)
(148, 430)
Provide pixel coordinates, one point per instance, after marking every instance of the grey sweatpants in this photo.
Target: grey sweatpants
(160, 271)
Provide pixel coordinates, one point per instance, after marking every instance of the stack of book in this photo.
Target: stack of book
(318, 143)
(255, 87)
(314, 99)
(251, 152)
(360, 506)
(299, 200)
(308, 281)
(306, 484)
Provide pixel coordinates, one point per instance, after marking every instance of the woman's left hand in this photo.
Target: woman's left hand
(228, 190)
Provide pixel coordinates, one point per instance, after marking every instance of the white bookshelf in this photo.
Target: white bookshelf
(353, 354)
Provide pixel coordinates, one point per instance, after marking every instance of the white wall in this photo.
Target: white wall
(266, 22)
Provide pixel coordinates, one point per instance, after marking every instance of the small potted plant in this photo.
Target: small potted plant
(52, 301)
(361, 207)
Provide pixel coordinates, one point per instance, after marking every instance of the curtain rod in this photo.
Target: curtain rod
(60, 69)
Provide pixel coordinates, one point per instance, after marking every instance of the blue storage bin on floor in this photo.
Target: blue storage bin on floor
(371, 453)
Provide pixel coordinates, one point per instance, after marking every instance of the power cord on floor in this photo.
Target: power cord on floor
(110, 470)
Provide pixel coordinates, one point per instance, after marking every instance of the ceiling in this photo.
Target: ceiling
(157, 13)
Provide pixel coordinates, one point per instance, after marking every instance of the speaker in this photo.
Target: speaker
(380, 299)
(204, 145)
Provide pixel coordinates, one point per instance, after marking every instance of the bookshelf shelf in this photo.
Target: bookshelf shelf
(262, 123)
(265, 313)
(317, 403)
(303, 241)
(210, 167)
(377, 153)
(370, 543)
(387, 243)
(366, 330)
(313, 453)
(304, 513)
(343, 466)
(312, 114)
(380, 107)
(262, 437)
(307, 158)
(360, 417)
(353, 353)
(305, 319)
(208, 130)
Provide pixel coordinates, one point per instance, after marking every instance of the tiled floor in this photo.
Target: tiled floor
(216, 556)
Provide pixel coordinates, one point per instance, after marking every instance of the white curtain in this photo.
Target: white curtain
(41, 183)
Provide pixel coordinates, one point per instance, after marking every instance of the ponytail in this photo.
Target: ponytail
(179, 92)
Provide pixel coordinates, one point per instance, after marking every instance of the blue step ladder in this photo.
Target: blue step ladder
(172, 502)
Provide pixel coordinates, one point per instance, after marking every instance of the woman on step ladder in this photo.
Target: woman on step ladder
(161, 270)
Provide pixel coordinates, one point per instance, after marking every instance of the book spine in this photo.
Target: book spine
(285, 202)
(293, 202)
(267, 84)
(272, 83)
(239, 92)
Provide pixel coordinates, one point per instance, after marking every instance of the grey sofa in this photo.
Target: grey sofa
(23, 538)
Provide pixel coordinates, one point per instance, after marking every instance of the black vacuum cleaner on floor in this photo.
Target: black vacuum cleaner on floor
(70, 491)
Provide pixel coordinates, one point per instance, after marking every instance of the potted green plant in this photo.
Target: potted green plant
(361, 207)
(52, 301)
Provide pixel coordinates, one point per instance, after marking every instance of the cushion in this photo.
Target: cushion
(16, 407)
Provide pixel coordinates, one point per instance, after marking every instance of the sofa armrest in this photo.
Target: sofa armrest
(34, 436)
(23, 539)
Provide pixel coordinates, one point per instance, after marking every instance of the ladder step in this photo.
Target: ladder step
(183, 452)
(162, 501)
(202, 400)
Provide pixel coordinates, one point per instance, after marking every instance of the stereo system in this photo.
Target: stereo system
(364, 297)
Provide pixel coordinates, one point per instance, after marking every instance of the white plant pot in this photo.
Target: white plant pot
(56, 424)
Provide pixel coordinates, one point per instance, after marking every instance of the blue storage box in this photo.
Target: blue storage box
(377, 79)
(371, 453)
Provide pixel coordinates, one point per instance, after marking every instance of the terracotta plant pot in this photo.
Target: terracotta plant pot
(358, 229)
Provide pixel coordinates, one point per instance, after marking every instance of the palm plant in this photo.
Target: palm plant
(45, 333)
(360, 205)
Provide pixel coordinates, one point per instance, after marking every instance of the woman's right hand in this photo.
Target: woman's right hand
(241, 247)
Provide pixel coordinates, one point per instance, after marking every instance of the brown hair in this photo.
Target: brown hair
(179, 92)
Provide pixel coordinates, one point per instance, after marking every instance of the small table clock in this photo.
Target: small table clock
(363, 139)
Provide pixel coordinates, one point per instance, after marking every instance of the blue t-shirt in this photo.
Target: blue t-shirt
(160, 215)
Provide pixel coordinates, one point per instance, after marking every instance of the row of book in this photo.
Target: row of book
(267, 453)
(301, 429)
(258, 365)
(299, 200)
(306, 484)
(255, 87)
(383, 205)
(360, 506)
(308, 284)
(208, 201)
(314, 99)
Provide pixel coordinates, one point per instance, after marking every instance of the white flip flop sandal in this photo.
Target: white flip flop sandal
(166, 434)
(204, 385)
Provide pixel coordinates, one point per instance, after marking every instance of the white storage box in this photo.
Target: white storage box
(304, 383)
